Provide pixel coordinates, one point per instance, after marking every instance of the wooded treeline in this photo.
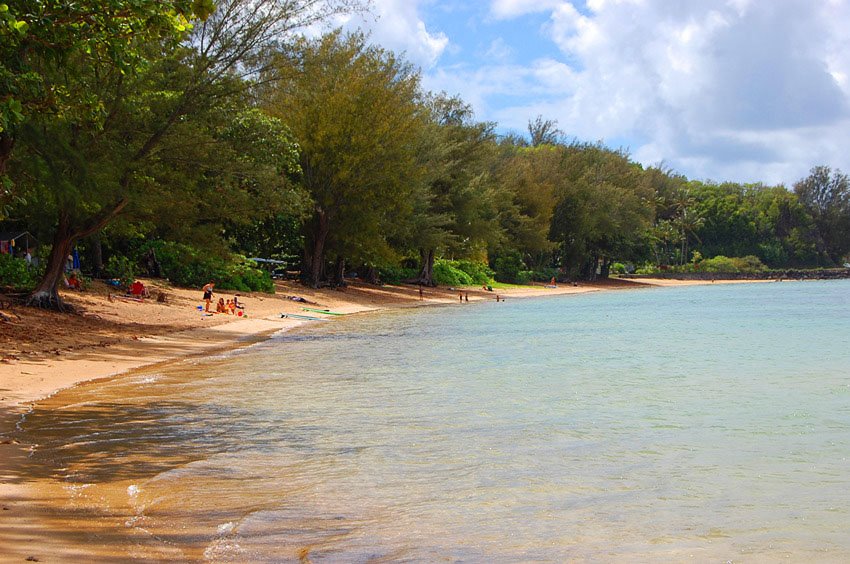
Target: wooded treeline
(193, 132)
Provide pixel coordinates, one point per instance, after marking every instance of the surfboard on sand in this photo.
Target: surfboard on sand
(324, 311)
(296, 316)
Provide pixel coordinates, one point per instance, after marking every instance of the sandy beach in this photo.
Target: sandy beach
(46, 352)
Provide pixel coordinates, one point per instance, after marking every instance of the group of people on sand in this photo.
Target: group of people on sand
(228, 307)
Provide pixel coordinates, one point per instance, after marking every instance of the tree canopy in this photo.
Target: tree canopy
(217, 129)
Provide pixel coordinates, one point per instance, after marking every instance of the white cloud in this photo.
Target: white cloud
(397, 25)
(741, 90)
(499, 50)
(507, 9)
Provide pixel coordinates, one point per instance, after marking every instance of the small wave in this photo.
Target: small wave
(148, 379)
(226, 528)
(225, 546)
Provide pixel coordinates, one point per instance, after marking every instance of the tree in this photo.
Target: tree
(354, 110)
(39, 38)
(141, 111)
(528, 177)
(544, 132)
(456, 212)
(826, 195)
(604, 206)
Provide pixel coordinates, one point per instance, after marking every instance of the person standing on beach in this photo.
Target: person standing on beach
(208, 292)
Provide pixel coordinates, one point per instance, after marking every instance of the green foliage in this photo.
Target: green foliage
(478, 272)
(721, 263)
(122, 268)
(15, 273)
(524, 277)
(113, 34)
(335, 152)
(187, 266)
(396, 274)
(647, 269)
(826, 196)
(446, 273)
(458, 200)
(618, 268)
(353, 108)
(544, 274)
(508, 267)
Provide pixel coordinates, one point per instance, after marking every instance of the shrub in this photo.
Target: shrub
(186, 266)
(524, 277)
(750, 263)
(544, 274)
(647, 269)
(479, 272)
(446, 274)
(508, 267)
(618, 268)
(721, 263)
(120, 267)
(15, 273)
(396, 274)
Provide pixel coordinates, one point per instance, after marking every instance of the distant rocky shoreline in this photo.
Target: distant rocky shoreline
(784, 274)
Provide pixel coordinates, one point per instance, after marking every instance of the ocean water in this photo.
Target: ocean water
(707, 423)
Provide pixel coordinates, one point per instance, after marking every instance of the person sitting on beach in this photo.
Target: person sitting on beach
(208, 292)
(236, 303)
(231, 308)
(221, 307)
(74, 282)
(138, 290)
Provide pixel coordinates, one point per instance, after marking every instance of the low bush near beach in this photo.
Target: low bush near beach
(446, 274)
(396, 274)
(14, 273)
(479, 272)
(720, 263)
(120, 267)
(186, 266)
(461, 273)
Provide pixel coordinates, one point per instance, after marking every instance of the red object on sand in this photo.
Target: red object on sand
(137, 288)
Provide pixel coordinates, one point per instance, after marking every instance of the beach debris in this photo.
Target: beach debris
(300, 300)
(32, 559)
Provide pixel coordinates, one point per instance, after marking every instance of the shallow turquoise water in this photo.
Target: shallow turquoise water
(707, 423)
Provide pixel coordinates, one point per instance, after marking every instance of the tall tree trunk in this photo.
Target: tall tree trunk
(372, 275)
(315, 258)
(606, 268)
(97, 252)
(589, 268)
(426, 273)
(46, 294)
(339, 272)
(7, 143)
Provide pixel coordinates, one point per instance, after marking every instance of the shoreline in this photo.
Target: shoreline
(23, 529)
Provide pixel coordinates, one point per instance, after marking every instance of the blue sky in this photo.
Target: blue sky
(741, 90)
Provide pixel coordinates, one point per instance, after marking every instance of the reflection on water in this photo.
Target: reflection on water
(704, 422)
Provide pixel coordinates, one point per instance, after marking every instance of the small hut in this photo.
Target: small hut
(17, 243)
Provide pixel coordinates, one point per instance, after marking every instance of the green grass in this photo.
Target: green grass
(507, 286)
